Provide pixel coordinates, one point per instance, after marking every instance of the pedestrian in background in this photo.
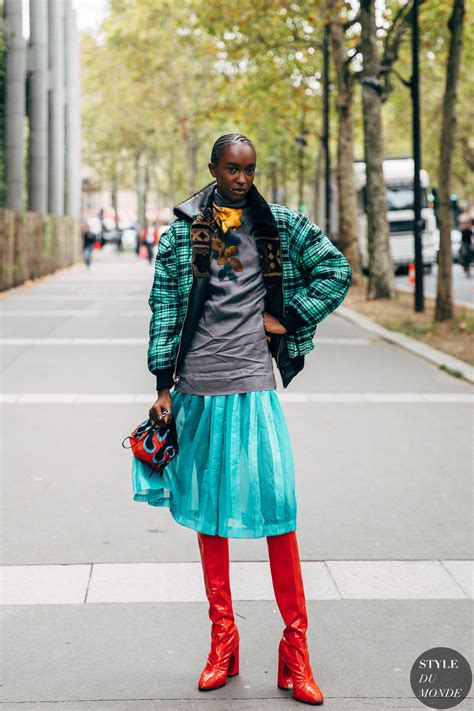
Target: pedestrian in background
(213, 334)
(119, 241)
(102, 241)
(465, 249)
(88, 239)
(149, 238)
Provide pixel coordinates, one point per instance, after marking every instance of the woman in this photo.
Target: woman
(213, 333)
(88, 239)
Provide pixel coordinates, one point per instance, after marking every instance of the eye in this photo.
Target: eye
(250, 171)
(231, 170)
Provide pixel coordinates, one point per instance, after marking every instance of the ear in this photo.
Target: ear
(212, 169)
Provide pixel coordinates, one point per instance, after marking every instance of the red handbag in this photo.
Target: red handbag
(154, 444)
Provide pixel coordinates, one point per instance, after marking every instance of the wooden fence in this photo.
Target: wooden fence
(32, 245)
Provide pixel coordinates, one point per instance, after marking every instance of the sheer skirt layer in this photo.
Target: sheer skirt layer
(234, 473)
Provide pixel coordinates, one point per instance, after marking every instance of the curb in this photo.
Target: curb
(433, 355)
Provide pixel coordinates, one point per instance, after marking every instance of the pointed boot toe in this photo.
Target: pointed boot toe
(294, 670)
(215, 674)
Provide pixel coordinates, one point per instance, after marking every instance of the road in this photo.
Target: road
(103, 597)
(463, 286)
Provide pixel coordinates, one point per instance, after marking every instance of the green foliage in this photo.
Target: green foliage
(162, 80)
(434, 45)
(168, 88)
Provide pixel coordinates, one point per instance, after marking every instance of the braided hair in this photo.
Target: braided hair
(226, 140)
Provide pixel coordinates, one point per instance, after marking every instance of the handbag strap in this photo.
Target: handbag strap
(145, 434)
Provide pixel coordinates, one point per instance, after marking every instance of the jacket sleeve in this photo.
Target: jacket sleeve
(326, 272)
(163, 303)
(291, 320)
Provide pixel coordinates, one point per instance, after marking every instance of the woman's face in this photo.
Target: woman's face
(235, 170)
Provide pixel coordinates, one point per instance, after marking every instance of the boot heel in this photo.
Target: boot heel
(285, 680)
(234, 662)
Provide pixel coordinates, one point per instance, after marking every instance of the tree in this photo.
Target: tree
(444, 302)
(348, 237)
(274, 51)
(434, 39)
(158, 93)
(381, 280)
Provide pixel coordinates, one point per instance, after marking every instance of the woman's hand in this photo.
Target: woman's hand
(163, 402)
(272, 324)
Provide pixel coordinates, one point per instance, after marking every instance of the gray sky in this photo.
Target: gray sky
(90, 13)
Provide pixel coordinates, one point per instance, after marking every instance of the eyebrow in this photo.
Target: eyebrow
(237, 165)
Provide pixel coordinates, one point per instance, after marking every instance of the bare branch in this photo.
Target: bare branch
(405, 82)
(394, 36)
(392, 44)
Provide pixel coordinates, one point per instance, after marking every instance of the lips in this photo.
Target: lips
(240, 191)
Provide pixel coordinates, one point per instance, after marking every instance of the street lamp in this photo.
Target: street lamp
(417, 221)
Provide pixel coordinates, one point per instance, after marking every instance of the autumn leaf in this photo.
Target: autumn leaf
(236, 264)
(228, 217)
(229, 251)
(217, 245)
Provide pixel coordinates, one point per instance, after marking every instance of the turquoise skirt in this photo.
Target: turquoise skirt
(234, 473)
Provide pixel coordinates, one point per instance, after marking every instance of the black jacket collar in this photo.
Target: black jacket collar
(264, 222)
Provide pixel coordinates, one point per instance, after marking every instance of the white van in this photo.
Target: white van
(398, 177)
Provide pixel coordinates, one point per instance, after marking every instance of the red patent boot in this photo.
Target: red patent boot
(294, 667)
(223, 658)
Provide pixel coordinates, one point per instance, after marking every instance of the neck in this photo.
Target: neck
(224, 201)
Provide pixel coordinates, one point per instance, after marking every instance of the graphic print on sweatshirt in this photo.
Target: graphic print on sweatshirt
(225, 245)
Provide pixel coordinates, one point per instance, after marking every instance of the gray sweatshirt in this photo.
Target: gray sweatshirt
(229, 350)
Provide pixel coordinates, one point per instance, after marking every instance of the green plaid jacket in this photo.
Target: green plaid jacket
(316, 278)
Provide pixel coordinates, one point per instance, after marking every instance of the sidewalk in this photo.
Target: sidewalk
(103, 597)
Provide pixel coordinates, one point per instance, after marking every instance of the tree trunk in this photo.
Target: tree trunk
(140, 190)
(171, 176)
(115, 196)
(318, 207)
(146, 190)
(318, 166)
(348, 236)
(191, 162)
(381, 279)
(444, 301)
(274, 182)
(191, 145)
(284, 177)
